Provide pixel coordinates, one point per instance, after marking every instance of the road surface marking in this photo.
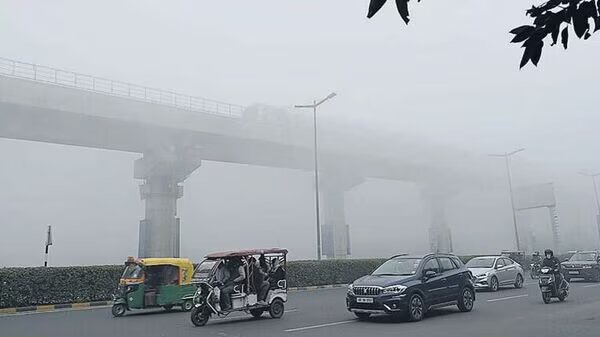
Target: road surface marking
(507, 298)
(238, 317)
(591, 285)
(319, 326)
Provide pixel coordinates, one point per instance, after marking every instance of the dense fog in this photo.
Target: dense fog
(433, 99)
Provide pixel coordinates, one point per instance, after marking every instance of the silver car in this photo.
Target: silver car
(493, 272)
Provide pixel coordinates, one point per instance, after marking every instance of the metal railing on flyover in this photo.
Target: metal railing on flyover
(49, 75)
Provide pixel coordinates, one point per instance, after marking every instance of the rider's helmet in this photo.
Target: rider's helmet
(549, 252)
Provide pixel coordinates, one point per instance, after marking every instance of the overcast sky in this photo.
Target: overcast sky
(450, 78)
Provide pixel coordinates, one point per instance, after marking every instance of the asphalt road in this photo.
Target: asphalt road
(508, 312)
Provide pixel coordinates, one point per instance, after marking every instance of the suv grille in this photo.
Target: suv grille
(367, 291)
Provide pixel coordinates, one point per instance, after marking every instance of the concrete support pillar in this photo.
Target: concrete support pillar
(162, 173)
(335, 231)
(440, 236)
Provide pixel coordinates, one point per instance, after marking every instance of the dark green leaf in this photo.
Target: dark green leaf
(536, 53)
(521, 29)
(555, 32)
(565, 37)
(374, 7)
(403, 9)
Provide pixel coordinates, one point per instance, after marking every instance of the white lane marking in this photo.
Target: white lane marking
(319, 326)
(239, 317)
(507, 298)
(591, 285)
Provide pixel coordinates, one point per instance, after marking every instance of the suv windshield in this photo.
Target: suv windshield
(481, 262)
(583, 257)
(398, 266)
(132, 271)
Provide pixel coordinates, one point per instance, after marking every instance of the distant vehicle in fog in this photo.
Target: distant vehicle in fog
(493, 272)
(583, 265)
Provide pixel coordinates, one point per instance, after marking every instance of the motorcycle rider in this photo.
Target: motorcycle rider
(553, 262)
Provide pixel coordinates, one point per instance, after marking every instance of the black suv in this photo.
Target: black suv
(412, 285)
(585, 265)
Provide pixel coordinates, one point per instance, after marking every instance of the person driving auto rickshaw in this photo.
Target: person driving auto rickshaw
(154, 282)
(252, 292)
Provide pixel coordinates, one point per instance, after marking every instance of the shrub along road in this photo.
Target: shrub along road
(508, 312)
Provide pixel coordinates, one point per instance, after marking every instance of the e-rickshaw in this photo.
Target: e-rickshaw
(264, 266)
(154, 283)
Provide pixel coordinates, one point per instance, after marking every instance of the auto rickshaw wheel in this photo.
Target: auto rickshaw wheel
(187, 305)
(276, 309)
(118, 310)
(257, 312)
(199, 317)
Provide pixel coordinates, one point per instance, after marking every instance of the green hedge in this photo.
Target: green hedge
(316, 273)
(39, 285)
(56, 285)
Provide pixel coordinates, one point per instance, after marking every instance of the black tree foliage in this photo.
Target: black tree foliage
(550, 19)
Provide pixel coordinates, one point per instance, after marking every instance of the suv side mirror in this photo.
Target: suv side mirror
(429, 273)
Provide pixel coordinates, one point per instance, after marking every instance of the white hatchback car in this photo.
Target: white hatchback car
(493, 272)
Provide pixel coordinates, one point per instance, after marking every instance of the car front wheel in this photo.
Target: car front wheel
(494, 284)
(416, 308)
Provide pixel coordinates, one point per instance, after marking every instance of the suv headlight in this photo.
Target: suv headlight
(350, 288)
(587, 267)
(394, 290)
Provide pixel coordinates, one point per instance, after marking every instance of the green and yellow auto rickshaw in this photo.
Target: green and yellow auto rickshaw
(154, 283)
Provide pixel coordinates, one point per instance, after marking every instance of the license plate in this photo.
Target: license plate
(573, 272)
(364, 300)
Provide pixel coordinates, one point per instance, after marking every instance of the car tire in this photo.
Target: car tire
(276, 309)
(494, 284)
(466, 300)
(168, 307)
(416, 308)
(362, 316)
(596, 277)
(519, 281)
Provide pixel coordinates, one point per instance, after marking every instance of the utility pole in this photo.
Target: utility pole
(506, 157)
(316, 164)
(48, 244)
(593, 177)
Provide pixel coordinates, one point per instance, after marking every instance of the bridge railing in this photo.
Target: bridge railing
(71, 79)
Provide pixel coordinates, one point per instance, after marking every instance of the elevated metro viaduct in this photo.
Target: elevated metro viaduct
(175, 133)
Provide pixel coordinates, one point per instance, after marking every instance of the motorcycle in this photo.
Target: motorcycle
(534, 271)
(549, 288)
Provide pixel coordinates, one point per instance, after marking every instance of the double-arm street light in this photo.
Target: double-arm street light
(506, 157)
(316, 163)
(593, 176)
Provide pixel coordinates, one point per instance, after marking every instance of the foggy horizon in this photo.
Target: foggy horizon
(445, 91)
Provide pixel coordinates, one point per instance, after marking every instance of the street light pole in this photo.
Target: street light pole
(316, 164)
(593, 176)
(506, 157)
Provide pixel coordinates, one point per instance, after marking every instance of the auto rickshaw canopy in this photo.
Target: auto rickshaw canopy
(185, 266)
(246, 252)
